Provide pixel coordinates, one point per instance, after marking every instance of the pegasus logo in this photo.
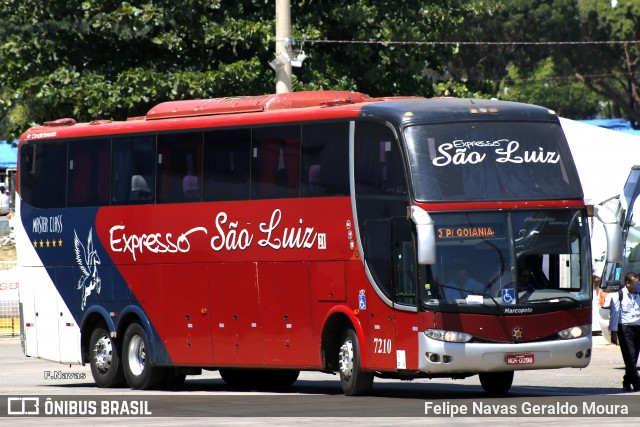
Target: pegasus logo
(88, 261)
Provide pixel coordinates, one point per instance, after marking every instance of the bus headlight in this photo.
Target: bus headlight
(575, 332)
(447, 336)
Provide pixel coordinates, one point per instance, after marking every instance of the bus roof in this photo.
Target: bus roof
(218, 112)
(248, 104)
(295, 106)
(458, 109)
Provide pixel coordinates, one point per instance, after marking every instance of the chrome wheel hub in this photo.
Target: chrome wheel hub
(136, 355)
(103, 354)
(346, 358)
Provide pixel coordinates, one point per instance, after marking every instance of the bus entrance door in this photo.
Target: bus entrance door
(392, 319)
(405, 278)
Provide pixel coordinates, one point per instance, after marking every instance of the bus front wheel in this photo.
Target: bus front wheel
(106, 366)
(354, 381)
(139, 372)
(496, 382)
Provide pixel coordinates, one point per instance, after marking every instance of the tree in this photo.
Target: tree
(611, 70)
(573, 32)
(379, 69)
(569, 99)
(499, 34)
(110, 59)
(96, 59)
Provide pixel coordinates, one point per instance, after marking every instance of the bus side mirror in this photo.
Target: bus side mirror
(426, 235)
(613, 231)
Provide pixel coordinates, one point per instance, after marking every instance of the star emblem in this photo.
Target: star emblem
(517, 334)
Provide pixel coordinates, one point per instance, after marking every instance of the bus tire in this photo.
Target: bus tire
(496, 382)
(104, 359)
(138, 371)
(354, 381)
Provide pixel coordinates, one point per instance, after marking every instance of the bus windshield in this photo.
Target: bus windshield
(491, 161)
(510, 258)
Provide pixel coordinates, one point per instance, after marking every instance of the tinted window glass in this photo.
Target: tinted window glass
(179, 167)
(89, 167)
(43, 174)
(133, 176)
(381, 202)
(325, 160)
(512, 257)
(226, 165)
(275, 167)
(378, 167)
(491, 161)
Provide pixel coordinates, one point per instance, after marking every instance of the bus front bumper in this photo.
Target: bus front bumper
(437, 357)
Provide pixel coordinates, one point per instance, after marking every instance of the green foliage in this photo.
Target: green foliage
(569, 99)
(610, 71)
(96, 59)
(110, 59)
(373, 68)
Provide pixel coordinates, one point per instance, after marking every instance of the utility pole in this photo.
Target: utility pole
(283, 46)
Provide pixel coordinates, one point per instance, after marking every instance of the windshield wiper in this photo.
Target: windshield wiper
(551, 299)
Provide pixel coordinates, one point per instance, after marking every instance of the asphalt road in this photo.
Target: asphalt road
(564, 395)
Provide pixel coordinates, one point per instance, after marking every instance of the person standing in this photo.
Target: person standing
(624, 324)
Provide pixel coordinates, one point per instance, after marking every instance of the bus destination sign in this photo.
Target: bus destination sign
(466, 232)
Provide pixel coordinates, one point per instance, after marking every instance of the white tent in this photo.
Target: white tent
(603, 158)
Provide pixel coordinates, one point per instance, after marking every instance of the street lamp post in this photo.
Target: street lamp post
(283, 46)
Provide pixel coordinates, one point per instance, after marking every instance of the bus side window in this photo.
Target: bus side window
(179, 167)
(89, 170)
(226, 165)
(379, 168)
(132, 177)
(275, 168)
(43, 178)
(325, 160)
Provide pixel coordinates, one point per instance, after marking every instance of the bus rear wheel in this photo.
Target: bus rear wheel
(354, 381)
(104, 359)
(496, 382)
(139, 372)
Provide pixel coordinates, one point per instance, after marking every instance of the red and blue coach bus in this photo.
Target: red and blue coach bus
(329, 231)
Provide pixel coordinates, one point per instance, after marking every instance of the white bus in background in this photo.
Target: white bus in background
(620, 216)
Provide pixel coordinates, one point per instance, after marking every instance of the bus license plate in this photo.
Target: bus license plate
(519, 359)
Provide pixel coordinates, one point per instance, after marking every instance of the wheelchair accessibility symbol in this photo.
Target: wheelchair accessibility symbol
(362, 300)
(509, 296)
